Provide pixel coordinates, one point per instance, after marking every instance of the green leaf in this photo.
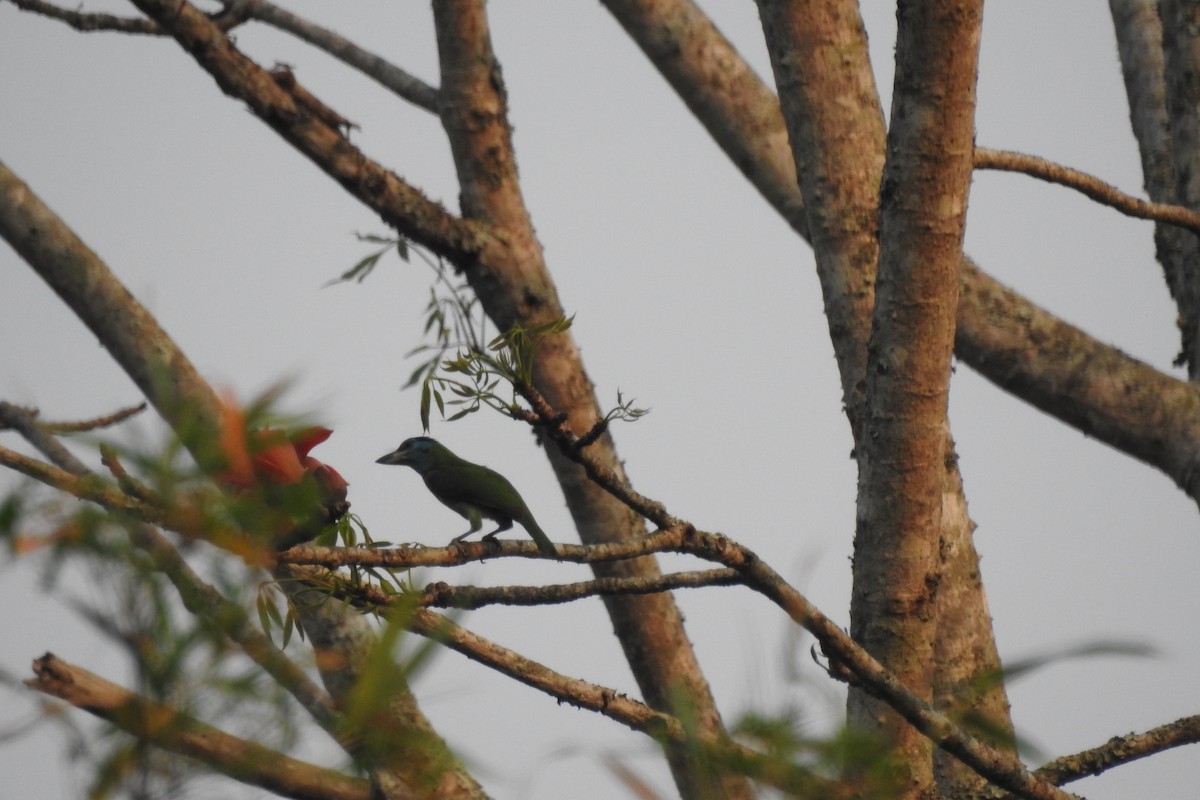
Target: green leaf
(425, 396)
(359, 271)
(264, 619)
(289, 624)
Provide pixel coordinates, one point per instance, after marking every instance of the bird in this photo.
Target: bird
(471, 490)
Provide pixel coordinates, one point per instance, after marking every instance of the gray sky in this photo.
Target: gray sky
(689, 294)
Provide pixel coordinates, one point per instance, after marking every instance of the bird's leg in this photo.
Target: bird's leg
(504, 524)
(476, 523)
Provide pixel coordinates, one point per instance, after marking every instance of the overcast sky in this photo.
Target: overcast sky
(689, 294)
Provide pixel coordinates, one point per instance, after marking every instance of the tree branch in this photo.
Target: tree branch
(1096, 388)
(1139, 29)
(743, 117)
(403, 206)
(614, 705)
(1088, 185)
(80, 426)
(87, 21)
(129, 332)
(1122, 750)
(444, 595)
(388, 75)
(1179, 28)
(172, 730)
(1000, 767)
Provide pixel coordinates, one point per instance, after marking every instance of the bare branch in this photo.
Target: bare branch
(1000, 767)
(402, 205)
(1088, 185)
(444, 595)
(129, 332)
(81, 426)
(172, 730)
(1122, 750)
(1178, 25)
(548, 419)
(612, 704)
(85, 21)
(91, 21)
(1099, 390)
(391, 77)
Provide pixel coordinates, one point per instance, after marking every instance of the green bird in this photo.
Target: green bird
(470, 490)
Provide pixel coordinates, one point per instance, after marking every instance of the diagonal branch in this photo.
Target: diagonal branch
(616, 706)
(1093, 387)
(403, 206)
(164, 727)
(130, 333)
(87, 21)
(1122, 750)
(388, 75)
(1088, 185)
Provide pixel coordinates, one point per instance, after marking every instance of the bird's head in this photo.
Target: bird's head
(419, 452)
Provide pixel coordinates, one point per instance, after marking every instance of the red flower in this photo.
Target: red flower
(274, 456)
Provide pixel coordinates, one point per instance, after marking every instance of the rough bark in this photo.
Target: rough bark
(1166, 124)
(923, 206)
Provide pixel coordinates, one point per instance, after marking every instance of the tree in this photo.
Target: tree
(942, 642)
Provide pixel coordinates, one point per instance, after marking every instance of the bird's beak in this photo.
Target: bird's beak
(394, 457)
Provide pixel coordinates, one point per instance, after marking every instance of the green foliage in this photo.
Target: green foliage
(349, 531)
(359, 272)
(180, 639)
(464, 369)
(849, 756)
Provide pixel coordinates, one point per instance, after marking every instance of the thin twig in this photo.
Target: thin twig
(1089, 185)
(89, 22)
(96, 423)
(391, 77)
(444, 595)
(606, 701)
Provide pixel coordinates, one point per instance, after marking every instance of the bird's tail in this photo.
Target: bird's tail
(543, 541)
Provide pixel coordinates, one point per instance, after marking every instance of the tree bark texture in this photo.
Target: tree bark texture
(923, 205)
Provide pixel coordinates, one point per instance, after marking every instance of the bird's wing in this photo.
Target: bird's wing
(477, 485)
